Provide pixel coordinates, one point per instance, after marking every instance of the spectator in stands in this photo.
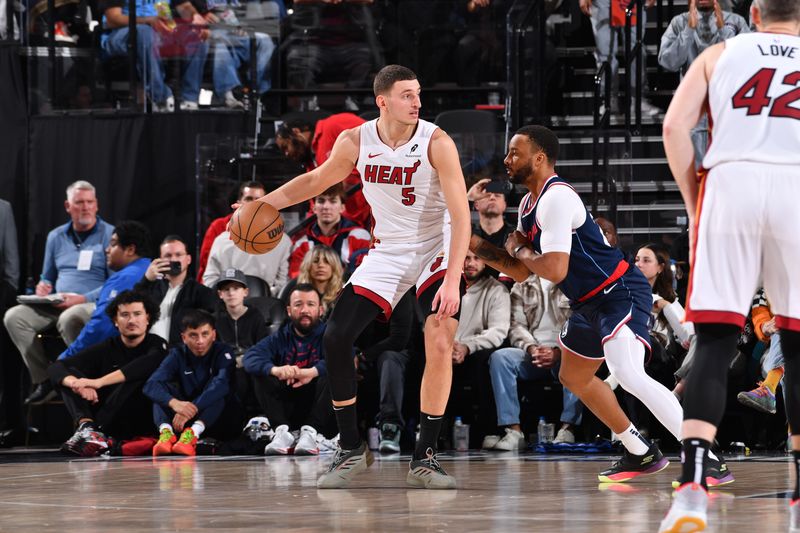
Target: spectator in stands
(191, 389)
(491, 207)
(331, 41)
(538, 312)
(232, 50)
(482, 329)
(75, 268)
(102, 385)
(237, 324)
(126, 255)
(688, 34)
(272, 268)
(480, 47)
(668, 313)
(248, 191)
(330, 229)
(9, 256)
(382, 350)
(9, 283)
(322, 268)
(290, 376)
(310, 144)
(155, 30)
(173, 289)
(762, 398)
(607, 31)
(609, 231)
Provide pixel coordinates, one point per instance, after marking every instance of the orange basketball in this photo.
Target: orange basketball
(256, 228)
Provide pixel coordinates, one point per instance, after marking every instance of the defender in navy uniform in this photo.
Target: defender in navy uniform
(558, 240)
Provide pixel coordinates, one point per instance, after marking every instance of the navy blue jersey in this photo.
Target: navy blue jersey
(593, 263)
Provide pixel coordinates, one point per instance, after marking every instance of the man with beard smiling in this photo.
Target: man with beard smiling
(290, 376)
(102, 385)
(557, 240)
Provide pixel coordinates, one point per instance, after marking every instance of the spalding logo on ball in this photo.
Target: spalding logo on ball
(256, 228)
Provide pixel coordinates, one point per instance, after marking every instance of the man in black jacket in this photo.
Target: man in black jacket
(167, 282)
(102, 385)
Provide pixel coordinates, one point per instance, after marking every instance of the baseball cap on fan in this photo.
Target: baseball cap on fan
(231, 274)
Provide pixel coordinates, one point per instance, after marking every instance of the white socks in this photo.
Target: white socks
(625, 359)
(197, 428)
(162, 427)
(633, 441)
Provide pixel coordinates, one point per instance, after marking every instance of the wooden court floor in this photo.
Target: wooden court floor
(496, 492)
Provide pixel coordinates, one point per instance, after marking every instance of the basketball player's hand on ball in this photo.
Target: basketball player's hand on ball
(447, 298)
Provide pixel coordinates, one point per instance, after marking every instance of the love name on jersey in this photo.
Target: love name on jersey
(778, 50)
(389, 175)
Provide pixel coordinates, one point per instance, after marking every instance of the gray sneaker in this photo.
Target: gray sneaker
(346, 464)
(390, 438)
(428, 473)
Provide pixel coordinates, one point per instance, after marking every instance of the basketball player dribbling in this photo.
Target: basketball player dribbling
(413, 182)
(744, 225)
(558, 240)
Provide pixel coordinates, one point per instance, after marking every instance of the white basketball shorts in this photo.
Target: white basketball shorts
(748, 236)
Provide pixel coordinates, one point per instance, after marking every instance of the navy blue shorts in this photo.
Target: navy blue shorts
(626, 303)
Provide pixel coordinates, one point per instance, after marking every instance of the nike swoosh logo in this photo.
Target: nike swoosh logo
(187, 372)
(611, 288)
(374, 155)
(434, 418)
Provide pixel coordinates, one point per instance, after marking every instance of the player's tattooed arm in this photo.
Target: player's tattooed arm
(498, 259)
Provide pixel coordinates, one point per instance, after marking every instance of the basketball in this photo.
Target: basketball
(256, 228)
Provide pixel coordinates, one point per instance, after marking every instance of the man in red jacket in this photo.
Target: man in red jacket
(330, 229)
(248, 191)
(311, 145)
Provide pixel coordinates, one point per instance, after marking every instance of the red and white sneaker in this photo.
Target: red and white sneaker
(63, 35)
(307, 442)
(282, 443)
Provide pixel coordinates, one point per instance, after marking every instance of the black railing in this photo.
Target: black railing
(633, 54)
(523, 16)
(600, 171)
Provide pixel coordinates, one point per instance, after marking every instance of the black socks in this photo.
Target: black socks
(429, 427)
(694, 457)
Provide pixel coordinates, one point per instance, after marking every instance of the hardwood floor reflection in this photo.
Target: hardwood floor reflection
(496, 493)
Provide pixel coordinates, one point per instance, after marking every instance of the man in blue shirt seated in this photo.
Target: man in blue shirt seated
(290, 376)
(75, 268)
(191, 390)
(126, 255)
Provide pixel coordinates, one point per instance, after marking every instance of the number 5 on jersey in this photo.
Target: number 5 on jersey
(408, 195)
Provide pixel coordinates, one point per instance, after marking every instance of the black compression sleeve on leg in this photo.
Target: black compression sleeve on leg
(351, 315)
(707, 383)
(790, 344)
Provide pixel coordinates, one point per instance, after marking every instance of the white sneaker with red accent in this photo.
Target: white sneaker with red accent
(307, 442)
(282, 443)
(688, 511)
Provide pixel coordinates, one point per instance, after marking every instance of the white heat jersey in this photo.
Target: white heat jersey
(754, 96)
(401, 186)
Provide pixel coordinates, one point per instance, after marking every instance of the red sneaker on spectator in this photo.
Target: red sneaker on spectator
(187, 444)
